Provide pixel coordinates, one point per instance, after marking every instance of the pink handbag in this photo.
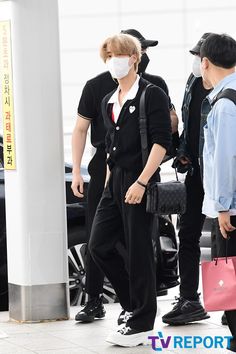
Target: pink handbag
(219, 284)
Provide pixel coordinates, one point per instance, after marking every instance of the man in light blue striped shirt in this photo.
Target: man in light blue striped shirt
(218, 60)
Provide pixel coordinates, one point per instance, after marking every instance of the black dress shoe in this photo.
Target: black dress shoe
(224, 320)
(93, 309)
(232, 345)
(185, 311)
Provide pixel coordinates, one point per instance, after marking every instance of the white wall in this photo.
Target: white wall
(177, 24)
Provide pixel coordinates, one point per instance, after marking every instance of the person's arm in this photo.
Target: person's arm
(79, 137)
(173, 116)
(135, 193)
(154, 160)
(174, 121)
(224, 177)
(159, 135)
(182, 154)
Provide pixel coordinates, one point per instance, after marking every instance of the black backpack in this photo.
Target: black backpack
(227, 93)
(206, 108)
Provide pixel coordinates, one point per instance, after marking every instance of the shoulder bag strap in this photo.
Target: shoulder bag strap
(143, 125)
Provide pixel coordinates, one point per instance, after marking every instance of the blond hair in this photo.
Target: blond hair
(121, 44)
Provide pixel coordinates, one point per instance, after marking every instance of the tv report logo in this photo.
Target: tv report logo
(159, 343)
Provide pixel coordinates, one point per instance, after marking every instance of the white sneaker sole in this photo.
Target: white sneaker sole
(132, 340)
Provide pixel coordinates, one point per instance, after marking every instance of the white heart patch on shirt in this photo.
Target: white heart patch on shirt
(132, 109)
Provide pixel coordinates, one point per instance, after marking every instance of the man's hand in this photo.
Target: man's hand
(224, 223)
(184, 160)
(77, 185)
(134, 194)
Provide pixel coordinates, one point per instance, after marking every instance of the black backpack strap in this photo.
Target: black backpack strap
(227, 93)
(143, 125)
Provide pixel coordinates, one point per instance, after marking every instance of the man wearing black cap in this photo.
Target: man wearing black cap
(188, 307)
(145, 44)
(89, 114)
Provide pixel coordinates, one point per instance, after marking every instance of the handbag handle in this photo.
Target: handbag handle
(143, 128)
(176, 174)
(226, 251)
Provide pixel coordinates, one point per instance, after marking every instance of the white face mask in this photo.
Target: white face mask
(196, 67)
(118, 66)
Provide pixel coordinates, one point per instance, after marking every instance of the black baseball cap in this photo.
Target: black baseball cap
(196, 49)
(144, 42)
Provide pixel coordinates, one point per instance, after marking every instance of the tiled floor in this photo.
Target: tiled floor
(69, 337)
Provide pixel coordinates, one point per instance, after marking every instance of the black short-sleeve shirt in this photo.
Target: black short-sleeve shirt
(90, 102)
(90, 105)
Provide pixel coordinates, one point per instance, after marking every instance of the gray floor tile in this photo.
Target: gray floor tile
(109, 349)
(67, 351)
(8, 348)
(70, 337)
(16, 328)
(39, 341)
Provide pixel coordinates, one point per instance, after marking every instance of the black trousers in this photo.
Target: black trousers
(97, 171)
(220, 250)
(191, 224)
(133, 281)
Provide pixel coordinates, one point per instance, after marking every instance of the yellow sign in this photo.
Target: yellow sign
(7, 96)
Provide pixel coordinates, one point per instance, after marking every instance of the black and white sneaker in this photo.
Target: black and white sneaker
(93, 309)
(123, 317)
(184, 312)
(128, 337)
